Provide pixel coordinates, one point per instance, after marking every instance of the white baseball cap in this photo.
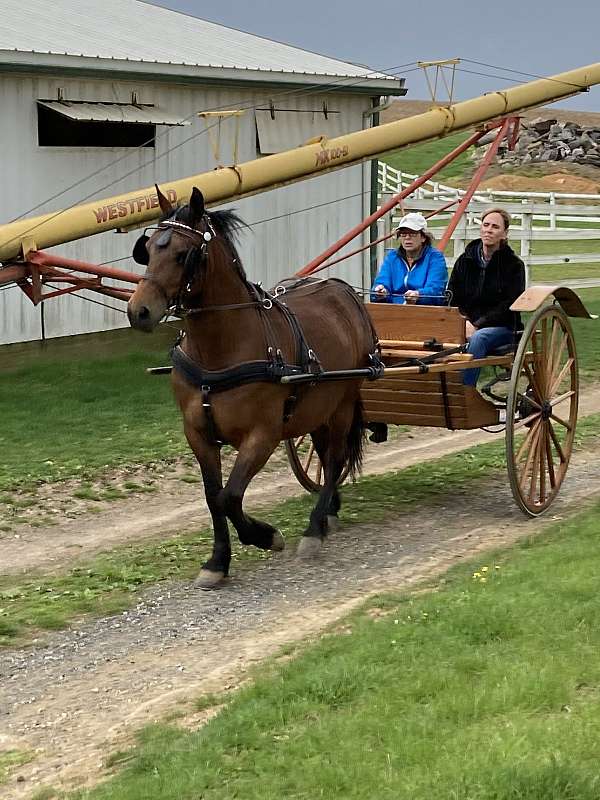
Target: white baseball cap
(413, 221)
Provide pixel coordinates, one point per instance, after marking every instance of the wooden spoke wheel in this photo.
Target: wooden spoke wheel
(542, 409)
(306, 464)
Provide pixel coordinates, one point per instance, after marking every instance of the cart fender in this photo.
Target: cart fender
(536, 296)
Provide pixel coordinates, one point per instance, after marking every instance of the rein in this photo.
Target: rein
(270, 369)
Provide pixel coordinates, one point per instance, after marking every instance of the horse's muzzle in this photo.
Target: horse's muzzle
(146, 306)
(141, 318)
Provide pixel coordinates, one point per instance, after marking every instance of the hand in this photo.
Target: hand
(411, 296)
(470, 329)
(380, 291)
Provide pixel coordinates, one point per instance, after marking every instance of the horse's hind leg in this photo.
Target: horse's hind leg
(320, 438)
(335, 504)
(334, 460)
(216, 569)
(253, 454)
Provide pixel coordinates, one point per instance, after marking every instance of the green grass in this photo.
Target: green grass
(563, 247)
(112, 582)
(10, 760)
(420, 157)
(555, 273)
(487, 687)
(46, 793)
(587, 336)
(74, 417)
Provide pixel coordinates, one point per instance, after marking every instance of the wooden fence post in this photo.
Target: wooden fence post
(552, 213)
(527, 228)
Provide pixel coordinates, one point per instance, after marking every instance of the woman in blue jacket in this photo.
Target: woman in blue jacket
(414, 273)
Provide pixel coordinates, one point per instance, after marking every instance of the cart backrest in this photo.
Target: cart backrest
(411, 323)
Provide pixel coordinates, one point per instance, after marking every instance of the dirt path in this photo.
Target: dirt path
(81, 696)
(176, 507)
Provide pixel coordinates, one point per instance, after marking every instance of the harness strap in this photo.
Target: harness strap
(446, 401)
(225, 379)
(213, 434)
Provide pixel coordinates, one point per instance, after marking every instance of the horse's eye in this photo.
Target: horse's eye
(181, 258)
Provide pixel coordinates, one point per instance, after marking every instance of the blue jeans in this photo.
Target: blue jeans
(482, 342)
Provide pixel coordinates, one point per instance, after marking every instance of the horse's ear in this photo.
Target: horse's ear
(165, 205)
(197, 204)
(140, 252)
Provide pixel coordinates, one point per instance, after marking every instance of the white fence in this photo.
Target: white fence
(538, 216)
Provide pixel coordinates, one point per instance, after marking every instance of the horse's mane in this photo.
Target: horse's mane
(227, 224)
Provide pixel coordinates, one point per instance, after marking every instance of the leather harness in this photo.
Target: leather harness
(269, 370)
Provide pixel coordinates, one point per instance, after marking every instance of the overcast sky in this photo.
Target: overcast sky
(542, 37)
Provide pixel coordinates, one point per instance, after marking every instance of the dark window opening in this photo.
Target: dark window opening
(56, 130)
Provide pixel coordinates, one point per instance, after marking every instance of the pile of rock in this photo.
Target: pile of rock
(544, 140)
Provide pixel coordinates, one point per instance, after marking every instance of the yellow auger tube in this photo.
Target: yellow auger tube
(135, 209)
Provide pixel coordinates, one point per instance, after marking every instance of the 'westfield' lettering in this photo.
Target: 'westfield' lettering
(130, 206)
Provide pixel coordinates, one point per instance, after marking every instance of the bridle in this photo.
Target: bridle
(196, 256)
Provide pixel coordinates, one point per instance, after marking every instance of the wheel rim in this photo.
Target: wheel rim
(545, 393)
(306, 464)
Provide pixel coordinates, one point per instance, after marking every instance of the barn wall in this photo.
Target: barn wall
(32, 175)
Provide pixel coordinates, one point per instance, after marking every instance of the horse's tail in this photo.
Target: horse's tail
(355, 440)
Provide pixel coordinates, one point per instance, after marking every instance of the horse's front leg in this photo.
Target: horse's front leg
(216, 569)
(253, 454)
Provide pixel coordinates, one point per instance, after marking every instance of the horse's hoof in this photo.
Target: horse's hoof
(333, 523)
(207, 580)
(309, 547)
(278, 543)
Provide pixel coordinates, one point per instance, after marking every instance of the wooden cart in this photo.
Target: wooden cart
(534, 393)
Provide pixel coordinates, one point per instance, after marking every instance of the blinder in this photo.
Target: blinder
(193, 258)
(140, 253)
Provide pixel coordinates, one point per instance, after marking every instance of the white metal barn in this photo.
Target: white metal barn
(102, 98)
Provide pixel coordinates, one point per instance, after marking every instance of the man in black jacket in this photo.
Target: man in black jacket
(485, 282)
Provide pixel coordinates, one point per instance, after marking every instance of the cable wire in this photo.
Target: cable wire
(520, 72)
(247, 105)
(154, 160)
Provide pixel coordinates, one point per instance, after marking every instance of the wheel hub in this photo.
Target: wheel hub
(546, 410)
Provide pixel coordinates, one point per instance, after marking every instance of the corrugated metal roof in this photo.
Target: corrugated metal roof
(113, 112)
(140, 32)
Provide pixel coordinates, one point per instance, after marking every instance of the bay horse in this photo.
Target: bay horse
(238, 342)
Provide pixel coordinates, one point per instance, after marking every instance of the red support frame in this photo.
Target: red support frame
(41, 268)
(478, 177)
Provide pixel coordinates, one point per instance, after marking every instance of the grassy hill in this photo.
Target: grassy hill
(417, 158)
